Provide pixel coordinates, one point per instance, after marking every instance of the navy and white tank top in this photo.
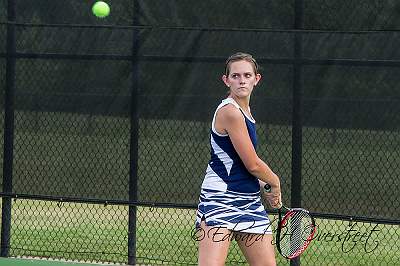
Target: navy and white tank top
(225, 170)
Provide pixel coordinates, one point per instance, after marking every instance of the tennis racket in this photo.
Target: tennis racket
(295, 230)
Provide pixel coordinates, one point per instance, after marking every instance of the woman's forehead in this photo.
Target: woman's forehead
(241, 66)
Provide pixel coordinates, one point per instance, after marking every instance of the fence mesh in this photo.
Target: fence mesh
(106, 124)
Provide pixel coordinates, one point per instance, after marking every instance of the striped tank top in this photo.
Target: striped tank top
(225, 170)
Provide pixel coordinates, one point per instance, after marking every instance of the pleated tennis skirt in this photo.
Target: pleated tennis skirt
(239, 212)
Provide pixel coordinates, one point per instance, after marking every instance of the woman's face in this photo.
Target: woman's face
(241, 79)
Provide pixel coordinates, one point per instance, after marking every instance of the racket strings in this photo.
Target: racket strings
(296, 229)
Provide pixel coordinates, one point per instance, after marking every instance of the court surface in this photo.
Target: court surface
(38, 262)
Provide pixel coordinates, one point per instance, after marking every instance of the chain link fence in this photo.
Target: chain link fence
(105, 124)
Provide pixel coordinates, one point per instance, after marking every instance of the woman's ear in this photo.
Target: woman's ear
(258, 78)
(225, 80)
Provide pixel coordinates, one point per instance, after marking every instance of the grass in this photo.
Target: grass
(88, 232)
(88, 156)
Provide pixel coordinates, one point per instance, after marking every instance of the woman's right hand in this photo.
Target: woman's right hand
(274, 197)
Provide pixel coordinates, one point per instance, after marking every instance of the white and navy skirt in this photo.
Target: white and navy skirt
(239, 212)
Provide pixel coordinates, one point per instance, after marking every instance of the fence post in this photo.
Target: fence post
(8, 131)
(134, 141)
(297, 114)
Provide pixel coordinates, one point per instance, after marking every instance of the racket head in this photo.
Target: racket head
(295, 231)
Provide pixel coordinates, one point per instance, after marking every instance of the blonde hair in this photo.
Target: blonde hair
(239, 57)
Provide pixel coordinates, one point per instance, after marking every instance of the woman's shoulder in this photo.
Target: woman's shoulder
(229, 112)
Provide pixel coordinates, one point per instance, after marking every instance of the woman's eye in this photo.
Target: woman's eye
(248, 75)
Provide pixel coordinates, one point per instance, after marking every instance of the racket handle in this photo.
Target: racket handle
(267, 187)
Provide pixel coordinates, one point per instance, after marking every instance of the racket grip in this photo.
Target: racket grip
(267, 187)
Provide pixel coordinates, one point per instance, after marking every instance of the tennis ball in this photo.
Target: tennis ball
(101, 9)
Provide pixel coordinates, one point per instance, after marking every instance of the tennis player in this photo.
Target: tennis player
(230, 204)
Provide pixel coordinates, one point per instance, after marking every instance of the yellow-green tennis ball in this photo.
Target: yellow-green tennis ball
(101, 9)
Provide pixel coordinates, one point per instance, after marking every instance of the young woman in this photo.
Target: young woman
(230, 203)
